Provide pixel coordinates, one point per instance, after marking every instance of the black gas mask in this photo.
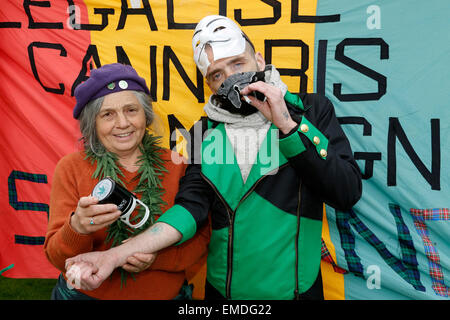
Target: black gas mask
(228, 96)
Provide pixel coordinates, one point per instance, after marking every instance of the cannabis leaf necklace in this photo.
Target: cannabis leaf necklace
(150, 172)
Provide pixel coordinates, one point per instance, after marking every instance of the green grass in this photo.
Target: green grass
(26, 289)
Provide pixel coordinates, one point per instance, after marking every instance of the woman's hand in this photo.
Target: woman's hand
(90, 216)
(139, 262)
(87, 271)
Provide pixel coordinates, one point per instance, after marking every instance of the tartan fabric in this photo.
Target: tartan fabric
(6, 269)
(19, 239)
(406, 267)
(326, 256)
(12, 191)
(431, 214)
(348, 244)
(419, 217)
(406, 244)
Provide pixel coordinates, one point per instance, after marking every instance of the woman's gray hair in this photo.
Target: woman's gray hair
(89, 114)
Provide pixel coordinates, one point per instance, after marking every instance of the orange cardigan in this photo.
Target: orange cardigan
(163, 280)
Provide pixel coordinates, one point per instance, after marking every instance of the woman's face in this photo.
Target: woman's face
(121, 123)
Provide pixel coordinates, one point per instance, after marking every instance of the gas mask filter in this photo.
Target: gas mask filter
(228, 96)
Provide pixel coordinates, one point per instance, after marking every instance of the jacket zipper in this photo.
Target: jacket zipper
(297, 235)
(231, 228)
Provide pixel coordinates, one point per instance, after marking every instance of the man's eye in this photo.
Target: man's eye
(238, 66)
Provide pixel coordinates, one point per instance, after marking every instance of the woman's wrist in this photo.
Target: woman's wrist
(74, 223)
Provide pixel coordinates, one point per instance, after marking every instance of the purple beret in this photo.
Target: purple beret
(107, 79)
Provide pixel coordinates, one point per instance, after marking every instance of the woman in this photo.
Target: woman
(114, 111)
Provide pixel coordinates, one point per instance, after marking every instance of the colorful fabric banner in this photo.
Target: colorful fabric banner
(384, 65)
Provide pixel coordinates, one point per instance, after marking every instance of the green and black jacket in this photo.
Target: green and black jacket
(266, 233)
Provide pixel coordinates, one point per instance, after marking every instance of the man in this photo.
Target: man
(268, 161)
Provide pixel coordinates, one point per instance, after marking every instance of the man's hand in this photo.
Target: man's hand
(87, 271)
(274, 108)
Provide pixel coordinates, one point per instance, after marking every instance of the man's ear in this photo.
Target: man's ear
(260, 61)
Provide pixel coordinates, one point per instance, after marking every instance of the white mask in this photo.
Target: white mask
(222, 34)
